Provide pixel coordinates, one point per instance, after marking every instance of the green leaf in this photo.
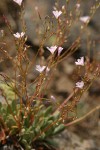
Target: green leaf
(27, 146)
(13, 105)
(8, 90)
(58, 129)
(48, 111)
(44, 123)
(35, 123)
(10, 121)
(52, 143)
(26, 122)
(37, 129)
(56, 116)
(43, 135)
(0, 105)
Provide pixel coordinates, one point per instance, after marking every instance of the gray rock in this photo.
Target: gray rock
(70, 141)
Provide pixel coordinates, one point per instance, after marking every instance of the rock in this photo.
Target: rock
(70, 141)
(95, 89)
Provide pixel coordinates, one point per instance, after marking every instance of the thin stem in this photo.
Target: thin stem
(66, 100)
(83, 117)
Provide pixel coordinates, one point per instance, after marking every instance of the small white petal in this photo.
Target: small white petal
(53, 98)
(2, 33)
(80, 84)
(19, 2)
(60, 50)
(36, 7)
(85, 19)
(52, 49)
(63, 7)
(22, 34)
(57, 13)
(47, 69)
(80, 61)
(19, 35)
(42, 68)
(77, 5)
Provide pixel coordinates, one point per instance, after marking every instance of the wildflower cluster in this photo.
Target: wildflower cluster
(24, 117)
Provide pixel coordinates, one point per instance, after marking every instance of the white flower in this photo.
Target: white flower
(42, 68)
(2, 33)
(77, 5)
(84, 19)
(19, 2)
(80, 84)
(60, 50)
(63, 7)
(52, 49)
(19, 35)
(57, 13)
(80, 61)
(53, 98)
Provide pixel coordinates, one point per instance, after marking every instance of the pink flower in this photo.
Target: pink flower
(84, 19)
(80, 84)
(19, 2)
(42, 68)
(19, 35)
(57, 13)
(60, 50)
(52, 49)
(80, 61)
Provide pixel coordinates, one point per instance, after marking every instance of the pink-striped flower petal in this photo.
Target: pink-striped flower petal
(80, 61)
(42, 68)
(52, 49)
(19, 35)
(80, 84)
(57, 13)
(19, 2)
(85, 19)
(60, 50)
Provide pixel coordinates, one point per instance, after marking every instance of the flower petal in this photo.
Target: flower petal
(85, 19)
(57, 13)
(42, 68)
(80, 84)
(52, 49)
(19, 2)
(80, 61)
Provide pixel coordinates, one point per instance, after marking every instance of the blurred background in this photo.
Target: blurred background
(86, 135)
